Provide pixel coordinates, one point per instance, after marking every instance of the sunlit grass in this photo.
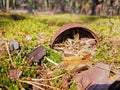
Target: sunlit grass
(106, 28)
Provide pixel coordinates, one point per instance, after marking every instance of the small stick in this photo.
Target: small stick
(48, 79)
(51, 61)
(6, 87)
(40, 84)
(36, 84)
(28, 82)
(8, 51)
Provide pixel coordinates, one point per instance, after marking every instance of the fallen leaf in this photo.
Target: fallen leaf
(12, 73)
(73, 61)
(65, 82)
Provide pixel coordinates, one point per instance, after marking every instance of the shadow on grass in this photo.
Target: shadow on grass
(70, 19)
(91, 19)
(12, 17)
(6, 19)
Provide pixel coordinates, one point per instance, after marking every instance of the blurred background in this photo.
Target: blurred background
(84, 7)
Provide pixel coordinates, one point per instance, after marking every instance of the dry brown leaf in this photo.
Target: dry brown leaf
(65, 82)
(73, 61)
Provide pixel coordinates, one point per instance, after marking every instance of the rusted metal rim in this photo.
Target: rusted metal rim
(70, 27)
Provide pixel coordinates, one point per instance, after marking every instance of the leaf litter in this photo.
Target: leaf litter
(77, 63)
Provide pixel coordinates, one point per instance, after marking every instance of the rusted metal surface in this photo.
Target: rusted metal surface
(37, 54)
(74, 40)
(95, 78)
(84, 32)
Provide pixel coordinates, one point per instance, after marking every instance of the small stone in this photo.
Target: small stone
(14, 45)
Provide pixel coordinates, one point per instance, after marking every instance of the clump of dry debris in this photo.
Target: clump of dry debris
(76, 46)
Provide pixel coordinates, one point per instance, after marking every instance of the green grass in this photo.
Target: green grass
(106, 29)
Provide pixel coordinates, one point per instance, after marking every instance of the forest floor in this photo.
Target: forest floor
(31, 31)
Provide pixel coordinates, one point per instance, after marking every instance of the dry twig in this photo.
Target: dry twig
(48, 79)
(36, 84)
(6, 87)
(51, 61)
(10, 58)
(28, 82)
